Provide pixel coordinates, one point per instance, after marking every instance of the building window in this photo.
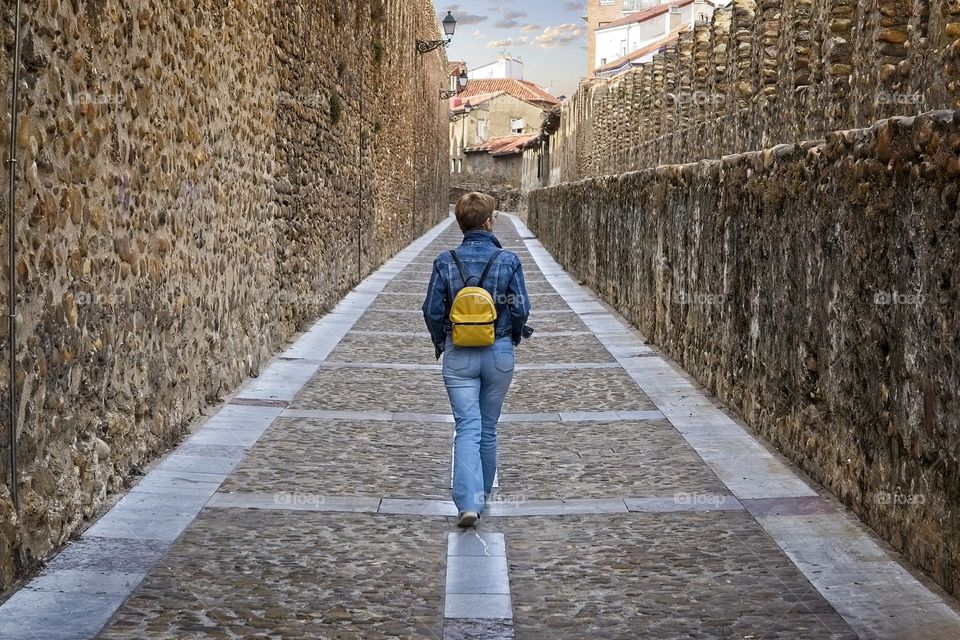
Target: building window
(517, 125)
(482, 129)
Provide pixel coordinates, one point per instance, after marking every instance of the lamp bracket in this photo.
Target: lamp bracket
(426, 46)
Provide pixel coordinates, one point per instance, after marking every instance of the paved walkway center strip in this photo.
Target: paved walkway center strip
(477, 602)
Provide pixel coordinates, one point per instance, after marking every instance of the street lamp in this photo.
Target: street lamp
(449, 26)
(459, 116)
(461, 85)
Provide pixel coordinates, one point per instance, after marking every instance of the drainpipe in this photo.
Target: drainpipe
(11, 237)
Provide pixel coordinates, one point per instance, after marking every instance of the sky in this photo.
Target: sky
(547, 35)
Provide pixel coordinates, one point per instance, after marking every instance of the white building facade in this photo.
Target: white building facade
(506, 66)
(644, 23)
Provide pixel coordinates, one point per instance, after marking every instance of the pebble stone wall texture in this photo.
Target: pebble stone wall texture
(198, 180)
(813, 288)
(762, 73)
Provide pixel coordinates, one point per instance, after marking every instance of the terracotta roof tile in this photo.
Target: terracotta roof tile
(505, 145)
(457, 103)
(521, 89)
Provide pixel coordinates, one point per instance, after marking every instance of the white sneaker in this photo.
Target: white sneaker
(467, 519)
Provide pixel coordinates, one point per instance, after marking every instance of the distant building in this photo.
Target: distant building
(506, 66)
(639, 56)
(527, 91)
(496, 120)
(625, 33)
(454, 69)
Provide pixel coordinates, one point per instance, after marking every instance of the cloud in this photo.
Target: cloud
(559, 35)
(507, 42)
(504, 11)
(506, 24)
(530, 28)
(463, 16)
(478, 34)
(574, 5)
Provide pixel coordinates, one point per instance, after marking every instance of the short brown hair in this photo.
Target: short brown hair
(473, 209)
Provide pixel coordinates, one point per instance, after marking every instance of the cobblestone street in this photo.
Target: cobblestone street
(315, 502)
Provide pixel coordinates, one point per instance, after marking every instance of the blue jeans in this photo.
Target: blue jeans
(477, 379)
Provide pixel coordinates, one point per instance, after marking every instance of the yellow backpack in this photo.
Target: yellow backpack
(473, 315)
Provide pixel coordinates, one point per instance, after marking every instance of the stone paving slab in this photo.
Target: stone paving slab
(323, 458)
(597, 460)
(419, 350)
(390, 321)
(860, 579)
(116, 555)
(42, 615)
(686, 575)
(242, 574)
(574, 390)
(565, 321)
(374, 389)
(533, 391)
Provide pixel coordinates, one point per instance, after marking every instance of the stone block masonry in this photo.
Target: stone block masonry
(764, 72)
(813, 288)
(198, 180)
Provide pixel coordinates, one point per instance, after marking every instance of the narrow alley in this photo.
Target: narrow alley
(315, 502)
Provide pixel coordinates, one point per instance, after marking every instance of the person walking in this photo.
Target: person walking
(476, 310)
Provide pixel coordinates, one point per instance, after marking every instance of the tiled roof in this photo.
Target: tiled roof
(454, 67)
(646, 14)
(642, 51)
(505, 145)
(457, 103)
(521, 89)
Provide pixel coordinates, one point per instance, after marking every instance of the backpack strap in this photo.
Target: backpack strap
(486, 269)
(459, 264)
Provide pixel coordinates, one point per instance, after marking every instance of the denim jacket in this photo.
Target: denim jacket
(504, 282)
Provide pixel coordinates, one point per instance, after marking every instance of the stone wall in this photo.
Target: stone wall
(761, 73)
(814, 289)
(198, 180)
